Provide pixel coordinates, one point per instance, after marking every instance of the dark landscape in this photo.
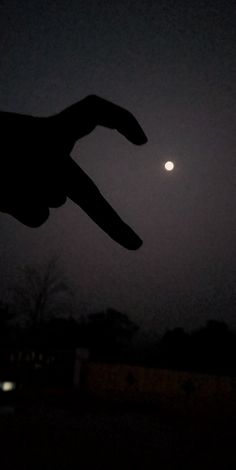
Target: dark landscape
(117, 235)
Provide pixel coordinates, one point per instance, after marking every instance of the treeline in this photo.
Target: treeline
(208, 349)
(109, 336)
(40, 316)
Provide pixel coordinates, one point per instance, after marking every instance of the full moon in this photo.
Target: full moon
(169, 166)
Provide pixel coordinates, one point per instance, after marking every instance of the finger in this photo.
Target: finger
(82, 190)
(81, 118)
(56, 200)
(33, 216)
(54, 193)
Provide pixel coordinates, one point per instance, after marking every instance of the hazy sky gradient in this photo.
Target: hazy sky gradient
(173, 64)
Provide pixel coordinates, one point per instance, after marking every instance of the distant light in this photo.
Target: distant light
(169, 166)
(7, 386)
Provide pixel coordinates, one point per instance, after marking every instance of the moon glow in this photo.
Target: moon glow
(169, 166)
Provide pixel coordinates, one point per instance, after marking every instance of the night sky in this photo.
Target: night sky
(173, 65)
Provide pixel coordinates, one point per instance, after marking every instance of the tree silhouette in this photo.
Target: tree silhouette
(209, 349)
(214, 348)
(6, 318)
(41, 294)
(56, 333)
(174, 348)
(108, 334)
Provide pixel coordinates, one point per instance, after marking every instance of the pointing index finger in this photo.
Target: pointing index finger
(81, 189)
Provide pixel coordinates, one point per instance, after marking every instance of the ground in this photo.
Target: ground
(96, 436)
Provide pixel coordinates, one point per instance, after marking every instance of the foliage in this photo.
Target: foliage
(41, 294)
(108, 334)
(55, 333)
(211, 349)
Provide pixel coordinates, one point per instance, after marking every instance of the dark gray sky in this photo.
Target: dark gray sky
(173, 65)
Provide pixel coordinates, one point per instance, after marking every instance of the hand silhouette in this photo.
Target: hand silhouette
(37, 171)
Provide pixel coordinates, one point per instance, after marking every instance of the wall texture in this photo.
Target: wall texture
(172, 388)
